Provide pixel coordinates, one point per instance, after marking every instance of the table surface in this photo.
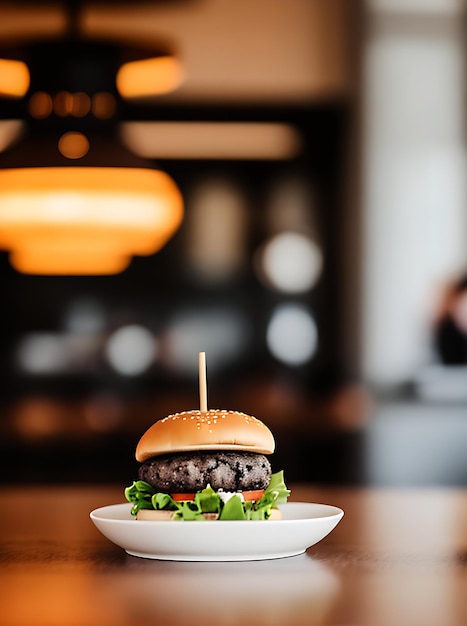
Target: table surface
(397, 557)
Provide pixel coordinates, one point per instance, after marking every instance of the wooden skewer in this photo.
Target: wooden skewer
(203, 391)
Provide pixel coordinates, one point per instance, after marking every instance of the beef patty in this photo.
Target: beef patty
(190, 472)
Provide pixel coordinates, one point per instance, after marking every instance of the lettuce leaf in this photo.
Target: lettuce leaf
(277, 489)
(206, 501)
(275, 493)
(140, 494)
(143, 496)
(163, 501)
(233, 509)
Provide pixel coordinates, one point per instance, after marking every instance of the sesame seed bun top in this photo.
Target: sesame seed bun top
(215, 429)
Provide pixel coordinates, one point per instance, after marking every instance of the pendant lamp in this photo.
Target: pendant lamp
(84, 214)
(73, 200)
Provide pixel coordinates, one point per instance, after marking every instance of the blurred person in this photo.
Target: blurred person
(450, 332)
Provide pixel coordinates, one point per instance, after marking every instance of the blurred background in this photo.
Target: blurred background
(318, 150)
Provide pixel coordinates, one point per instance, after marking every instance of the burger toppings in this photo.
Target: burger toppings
(208, 503)
(226, 495)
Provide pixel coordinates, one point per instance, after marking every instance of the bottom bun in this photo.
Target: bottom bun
(157, 516)
(275, 515)
(167, 516)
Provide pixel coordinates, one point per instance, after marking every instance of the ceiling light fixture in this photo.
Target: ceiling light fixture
(85, 220)
(73, 200)
(14, 78)
(149, 77)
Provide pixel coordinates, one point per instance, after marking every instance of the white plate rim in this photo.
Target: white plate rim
(277, 539)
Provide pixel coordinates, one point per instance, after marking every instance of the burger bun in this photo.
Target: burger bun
(215, 429)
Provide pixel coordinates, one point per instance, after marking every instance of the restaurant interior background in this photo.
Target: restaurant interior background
(319, 146)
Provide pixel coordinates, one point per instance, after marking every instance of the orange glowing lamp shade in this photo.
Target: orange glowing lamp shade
(149, 77)
(85, 220)
(14, 78)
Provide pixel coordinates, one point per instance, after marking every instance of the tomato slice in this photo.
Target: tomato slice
(253, 495)
(179, 497)
(247, 495)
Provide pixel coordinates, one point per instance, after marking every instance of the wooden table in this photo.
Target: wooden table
(397, 558)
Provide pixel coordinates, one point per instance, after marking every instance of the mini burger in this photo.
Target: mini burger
(206, 465)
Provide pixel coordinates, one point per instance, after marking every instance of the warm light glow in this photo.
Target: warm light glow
(63, 103)
(81, 104)
(103, 105)
(213, 140)
(73, 145)
(40, 105)
(14, 78)
(10, 131)
(43, 259)
(149, 77)
(82, 220)
(216, 245)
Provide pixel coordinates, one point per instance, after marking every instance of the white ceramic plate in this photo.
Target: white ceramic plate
(303, 524)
